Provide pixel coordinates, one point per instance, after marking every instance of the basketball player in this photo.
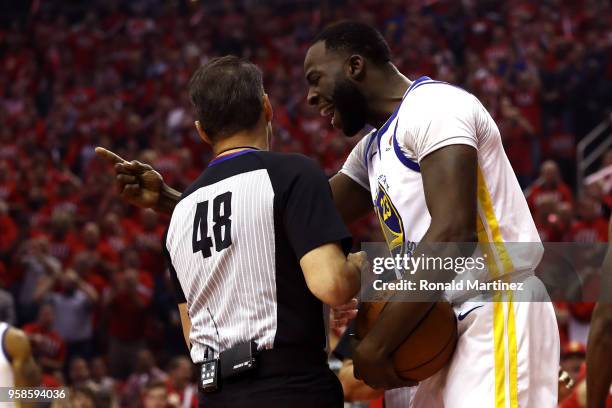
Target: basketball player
(599, 350)
(17, 366)
(436, 171)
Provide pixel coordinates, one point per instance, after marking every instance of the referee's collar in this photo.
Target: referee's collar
(225, 157)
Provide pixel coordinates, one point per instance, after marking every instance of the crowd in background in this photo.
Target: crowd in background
(82, 273)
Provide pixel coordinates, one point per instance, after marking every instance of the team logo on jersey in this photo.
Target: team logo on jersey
(390, 219)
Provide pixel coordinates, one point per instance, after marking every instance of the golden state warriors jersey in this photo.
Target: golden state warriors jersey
(433, 115)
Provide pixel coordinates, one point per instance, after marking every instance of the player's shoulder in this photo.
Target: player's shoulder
(438, 94)
(16, 342)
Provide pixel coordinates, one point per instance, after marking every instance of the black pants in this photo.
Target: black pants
(280, 383)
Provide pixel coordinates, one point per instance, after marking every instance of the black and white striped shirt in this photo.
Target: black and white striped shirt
(234, 244)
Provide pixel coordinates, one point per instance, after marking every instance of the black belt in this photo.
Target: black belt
(287, 361)
(284, 361)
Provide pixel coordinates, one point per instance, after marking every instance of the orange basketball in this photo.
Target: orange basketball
(427, 349)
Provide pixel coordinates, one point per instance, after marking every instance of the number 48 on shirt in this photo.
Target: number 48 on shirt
(221, 229)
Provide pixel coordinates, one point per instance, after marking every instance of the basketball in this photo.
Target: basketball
(427, 349)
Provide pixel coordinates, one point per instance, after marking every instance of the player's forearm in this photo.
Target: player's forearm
(402, 314)
(599, 355)
(354, 389)
(168, 199)
(394, 324)
(27, 373)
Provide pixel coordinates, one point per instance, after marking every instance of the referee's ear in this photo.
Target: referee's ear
(267, 108)
(202, 133)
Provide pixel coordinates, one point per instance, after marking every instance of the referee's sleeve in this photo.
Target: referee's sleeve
(179, 295)
(310, 218)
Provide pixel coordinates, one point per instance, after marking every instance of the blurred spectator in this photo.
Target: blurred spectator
(8, 238)
(102, 256)
(549, 186)
(72, 308)
(83, 397)
(38, 265)
(181, 391)
(145, 371)
(126, 302)
(48, 347)
(99, 376)
(155, 395)
(573, 355)
(147, 240)
(547, 220)
(62, 242)
(79, 374)
(7, 308)
(517, 136)
(591, 226)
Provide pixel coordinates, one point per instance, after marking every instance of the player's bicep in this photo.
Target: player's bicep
(450, 178)
(24, 367)
(351, 199)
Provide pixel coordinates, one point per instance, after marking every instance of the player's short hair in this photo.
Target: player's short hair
(356, 38)
(227, 94)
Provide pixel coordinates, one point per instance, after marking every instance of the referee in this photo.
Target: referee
(255, 247)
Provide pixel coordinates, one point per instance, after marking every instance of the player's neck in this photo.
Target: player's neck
(387, 96)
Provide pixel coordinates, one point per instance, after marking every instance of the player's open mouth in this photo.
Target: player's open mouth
(327, 110)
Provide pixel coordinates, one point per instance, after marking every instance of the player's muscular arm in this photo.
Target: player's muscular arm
(26, 373)
(599, 350)
(140, 185)
(351, 200)
(354, 389)
(449, 181)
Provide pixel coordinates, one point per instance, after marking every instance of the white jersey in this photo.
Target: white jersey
(433, 115)
(507, 354)
(6, 370)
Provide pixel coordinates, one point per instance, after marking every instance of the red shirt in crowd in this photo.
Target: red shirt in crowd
(127, 315)
(539, 193)
(46, 343)
(590, 231)
(8, 234)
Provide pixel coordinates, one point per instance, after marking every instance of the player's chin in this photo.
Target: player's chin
(352, 129)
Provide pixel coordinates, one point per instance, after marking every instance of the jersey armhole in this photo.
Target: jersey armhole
(411, 164)
(3, 347)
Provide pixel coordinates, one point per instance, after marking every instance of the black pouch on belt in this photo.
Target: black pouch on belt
(238, 359)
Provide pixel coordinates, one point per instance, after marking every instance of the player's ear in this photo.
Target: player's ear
(202, 133)
(355, 67)
(267, 108)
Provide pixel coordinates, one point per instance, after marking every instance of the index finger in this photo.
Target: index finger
(108, 155)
